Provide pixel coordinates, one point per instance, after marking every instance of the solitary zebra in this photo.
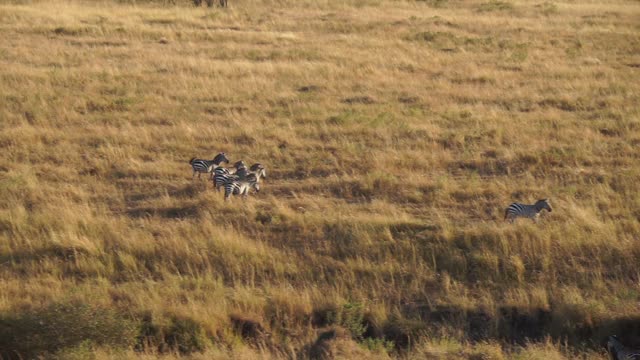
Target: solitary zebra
(532, 212)
(206, 166)
(222, 175)
(619, 351)
(241, 187)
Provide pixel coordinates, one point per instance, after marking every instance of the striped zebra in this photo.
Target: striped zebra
(206, 166)
(222, 175)
(241, 187)
(532, 212)
(259, 170)
(619, 351)
(231, 170)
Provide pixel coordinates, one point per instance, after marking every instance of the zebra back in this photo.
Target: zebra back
(220, 179)
(240, 187)
(201, 166)
(516, 210)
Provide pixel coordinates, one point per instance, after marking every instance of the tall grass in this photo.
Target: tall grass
(394, 135)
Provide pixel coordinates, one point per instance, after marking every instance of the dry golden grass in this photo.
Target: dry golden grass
(394, 134)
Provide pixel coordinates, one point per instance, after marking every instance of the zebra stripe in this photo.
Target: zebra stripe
(200, 166)
(621, 352)
(241, 187)
(532, 212)
(223, 175)
(219, 180)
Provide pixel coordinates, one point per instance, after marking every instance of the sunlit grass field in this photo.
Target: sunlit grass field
(394, 135)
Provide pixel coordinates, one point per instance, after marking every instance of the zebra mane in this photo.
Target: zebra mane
(220, 158)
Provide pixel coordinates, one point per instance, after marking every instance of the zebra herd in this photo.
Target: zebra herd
(236, 180)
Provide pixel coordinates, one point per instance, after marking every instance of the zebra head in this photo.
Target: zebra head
(242, 172)
(543, 204)
(220, 158)
(259, 170)
(239, 164)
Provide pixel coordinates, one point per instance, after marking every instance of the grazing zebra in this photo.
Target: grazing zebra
(517, 210)
(241, 187)
(222, 175)
(206, 166)
(619, 351)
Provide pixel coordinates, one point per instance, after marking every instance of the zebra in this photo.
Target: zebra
(619, 351)
(232, 170)
(517, 210)
(206, 166)
(222, 175)
(259, 170)
(241, 187)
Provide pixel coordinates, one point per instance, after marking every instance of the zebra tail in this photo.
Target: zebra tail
(506, 214)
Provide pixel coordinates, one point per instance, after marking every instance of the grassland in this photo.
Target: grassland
(394, 134)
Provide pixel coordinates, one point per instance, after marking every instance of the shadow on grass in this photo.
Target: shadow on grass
(509, 325)
(44, 332)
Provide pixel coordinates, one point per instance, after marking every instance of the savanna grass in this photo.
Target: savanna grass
(394, 134)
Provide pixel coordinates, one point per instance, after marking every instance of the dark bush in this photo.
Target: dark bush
(186, 335)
